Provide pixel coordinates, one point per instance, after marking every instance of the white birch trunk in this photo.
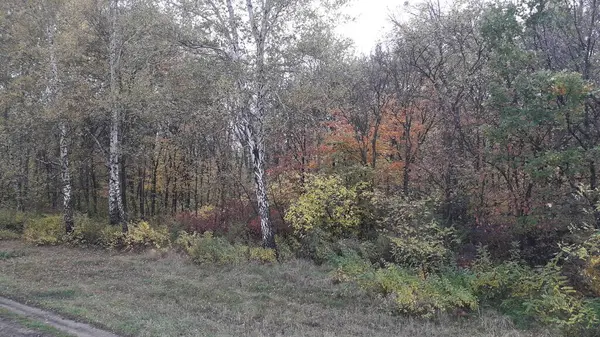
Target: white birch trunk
(65, 175)
(53, 95)
(115, 196)
(251, 111)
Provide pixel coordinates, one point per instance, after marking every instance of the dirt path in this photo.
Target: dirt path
(12, 329)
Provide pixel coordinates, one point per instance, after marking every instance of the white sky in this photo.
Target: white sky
(371, 21)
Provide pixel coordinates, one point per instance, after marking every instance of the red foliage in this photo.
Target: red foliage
(280, 227)
(233, 212)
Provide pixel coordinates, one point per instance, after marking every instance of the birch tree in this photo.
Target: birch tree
(252, 38)
(115, 196)
(53, 91)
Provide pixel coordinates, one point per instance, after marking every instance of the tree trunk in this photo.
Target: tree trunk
(65, 175)
(257, 152)
(115, 195)
(53, 91)
(153, 188)
(141, 192)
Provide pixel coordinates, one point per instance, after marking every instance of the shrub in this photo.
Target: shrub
(47, 230)
(87, 232)
(12, 220)
(350, 267)
(287, 247)
(440, 293)
(262, 255)
(328, 206)
(585, 256)
(6, 234)
(112, 237)
(532, 295)
(207, 248)
(411, 294)
(142, 235)
(416, 239)
(317, 246)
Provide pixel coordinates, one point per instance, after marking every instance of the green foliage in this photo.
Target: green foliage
(207, 248)
(412, 295)
(6, 234)
(585, 255)
(327, 205)
(532, 295)
(317, 246)
(87, 232)
(350, 267)
(217, 250)
(46, 230)
(438, 293)
(111, 237)
(287, 247)
(5, 255)
(12, 221)
(416, 239)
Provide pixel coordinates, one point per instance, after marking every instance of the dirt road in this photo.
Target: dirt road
(11, 328)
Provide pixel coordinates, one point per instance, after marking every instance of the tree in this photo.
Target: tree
(115, 195)
(253, 39)
(53, 96)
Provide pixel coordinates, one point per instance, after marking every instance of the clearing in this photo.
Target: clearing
(152, 295)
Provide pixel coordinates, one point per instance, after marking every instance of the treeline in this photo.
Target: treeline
(231, 111)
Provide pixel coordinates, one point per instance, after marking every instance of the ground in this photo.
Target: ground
(153, 294)
(14, 329)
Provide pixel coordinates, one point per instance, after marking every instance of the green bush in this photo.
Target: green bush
(584, 256)
(414, 235)
(287, 247)
(317, 246)
(6, 234)
(411, 294)
(47, 230)
(87, 232)
(11, 220)
(532, 295)
(112, 237)
(350, 267)
(207, 248)
(438, 293)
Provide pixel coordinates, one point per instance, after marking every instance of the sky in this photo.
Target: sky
(371, 22)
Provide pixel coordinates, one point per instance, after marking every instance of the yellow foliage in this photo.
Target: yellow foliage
(142, 236)
(262, 255)
(592, 273)
(48, 230)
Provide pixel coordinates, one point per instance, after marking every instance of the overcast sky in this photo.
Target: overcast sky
(371, 21)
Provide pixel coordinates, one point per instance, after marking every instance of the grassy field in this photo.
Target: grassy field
(151, 295)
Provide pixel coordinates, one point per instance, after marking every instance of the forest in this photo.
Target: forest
(453, 168)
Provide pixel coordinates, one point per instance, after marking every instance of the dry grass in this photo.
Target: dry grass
(148, 295)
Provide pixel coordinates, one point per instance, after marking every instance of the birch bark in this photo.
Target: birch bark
(53, 95)
(115, 194)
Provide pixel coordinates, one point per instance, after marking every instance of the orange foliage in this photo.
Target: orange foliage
(399, 133)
